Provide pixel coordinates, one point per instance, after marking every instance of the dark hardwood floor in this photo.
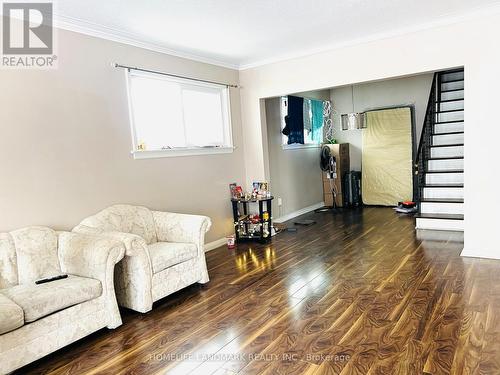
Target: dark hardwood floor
(356, 293)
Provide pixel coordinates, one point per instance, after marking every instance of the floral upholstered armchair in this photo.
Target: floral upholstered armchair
(165, 251)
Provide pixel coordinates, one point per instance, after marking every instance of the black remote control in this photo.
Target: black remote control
(49, 279)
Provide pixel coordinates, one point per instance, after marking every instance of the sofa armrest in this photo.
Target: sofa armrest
(134, 245)
(89, 256)
(173, 227)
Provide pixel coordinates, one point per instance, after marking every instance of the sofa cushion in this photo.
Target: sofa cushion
(11, 315)
(36, 252)
(41, 300)
(167, 254)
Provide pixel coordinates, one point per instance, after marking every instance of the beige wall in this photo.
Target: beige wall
(393, 92)
(469, 43)
(295, 175)
(64, 149)
(65, 142)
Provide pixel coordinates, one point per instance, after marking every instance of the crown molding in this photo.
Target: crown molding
(114, 35)
(119, 36)
(444, 21)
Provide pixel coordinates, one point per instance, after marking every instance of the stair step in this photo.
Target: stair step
(439, 235)
(455, 85)
(451, 75)
(447, 158)
(447, 171)
(449, 127)
(442, 200)
(440, 216)
(439, 224)
(448, 139)
(440, 193)
(448, 105)
(452, 95)
(447, 122)
(452, 208)
(444, 164)
(449, 100)
(453, 80)
(450, 116)
(452, 90)
(451, 71)
(451, 145)
(447, 151)
(448, 133)
(444, 177)
(452, 185)
(450, 110)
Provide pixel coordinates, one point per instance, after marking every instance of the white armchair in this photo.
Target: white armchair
(36, 320)
(165, 251)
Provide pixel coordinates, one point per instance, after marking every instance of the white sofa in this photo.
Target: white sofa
(36, 320)
(164, 251)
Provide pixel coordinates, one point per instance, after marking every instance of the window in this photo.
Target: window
(175, 116)
(306, 120)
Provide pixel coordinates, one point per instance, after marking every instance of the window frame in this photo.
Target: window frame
(228, 146)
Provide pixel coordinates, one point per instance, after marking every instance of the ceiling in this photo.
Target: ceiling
(244, 33)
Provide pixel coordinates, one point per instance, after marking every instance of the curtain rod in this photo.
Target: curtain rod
(172, 75)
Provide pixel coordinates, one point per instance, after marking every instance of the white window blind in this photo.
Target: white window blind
(175, 114)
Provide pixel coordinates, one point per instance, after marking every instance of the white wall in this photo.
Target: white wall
(393, 92)
(295, 176)
(65, 142)
(471, 43)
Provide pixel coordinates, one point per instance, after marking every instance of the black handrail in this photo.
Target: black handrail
(426, 139)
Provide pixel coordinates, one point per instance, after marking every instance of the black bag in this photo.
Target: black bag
(356, 188)
(351, 192)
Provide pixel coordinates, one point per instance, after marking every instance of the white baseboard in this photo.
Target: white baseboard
(215, 244)
(222, 241)
(302, 211)
(480, 254)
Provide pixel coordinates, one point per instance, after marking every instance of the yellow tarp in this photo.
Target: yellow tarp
(387, 157)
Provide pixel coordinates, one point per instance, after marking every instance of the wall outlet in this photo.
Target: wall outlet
(280, 201)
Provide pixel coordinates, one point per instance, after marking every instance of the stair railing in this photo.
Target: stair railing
(424, 147)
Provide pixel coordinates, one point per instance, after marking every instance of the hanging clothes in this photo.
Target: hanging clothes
(307, 117)
(317, 120)
(294, 121)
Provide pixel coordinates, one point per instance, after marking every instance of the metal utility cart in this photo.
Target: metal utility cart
(247, 229)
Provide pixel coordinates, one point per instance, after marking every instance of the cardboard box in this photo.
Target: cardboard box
(341, 153)
(328, 199)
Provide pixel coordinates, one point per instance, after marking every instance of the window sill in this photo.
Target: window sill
(172, 153)
(299, 146)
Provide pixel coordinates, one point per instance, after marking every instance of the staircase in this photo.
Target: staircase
(440, 159)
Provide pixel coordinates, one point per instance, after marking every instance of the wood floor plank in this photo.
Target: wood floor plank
(356, 293)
